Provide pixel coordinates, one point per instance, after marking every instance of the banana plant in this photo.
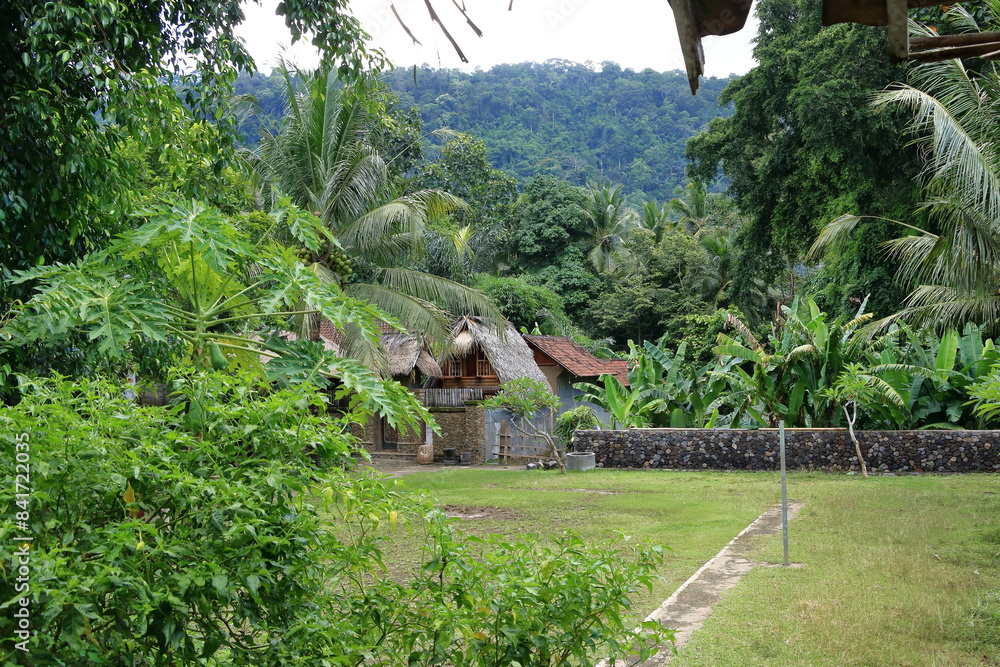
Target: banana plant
(190, 276)
(627, 407)
(692, 396)
(933, 375)
(662, 390)
(804, 355)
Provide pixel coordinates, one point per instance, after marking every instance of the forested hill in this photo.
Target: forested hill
(569, 120)
(559, 117)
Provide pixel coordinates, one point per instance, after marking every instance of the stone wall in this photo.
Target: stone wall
(806, 449)
(463, 429)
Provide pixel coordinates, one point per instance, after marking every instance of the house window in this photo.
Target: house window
(483, 366)
(452, 368)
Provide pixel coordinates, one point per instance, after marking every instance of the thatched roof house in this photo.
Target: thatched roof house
(480, 357)
(404, 353)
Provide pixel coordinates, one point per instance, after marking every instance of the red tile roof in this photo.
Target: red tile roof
(567, 353)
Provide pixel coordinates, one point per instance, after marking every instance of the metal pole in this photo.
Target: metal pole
(784, 490)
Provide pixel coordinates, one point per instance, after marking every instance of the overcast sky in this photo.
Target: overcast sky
(633, 33)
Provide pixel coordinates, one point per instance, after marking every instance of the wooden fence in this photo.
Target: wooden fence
(511, 444)
(448, 398)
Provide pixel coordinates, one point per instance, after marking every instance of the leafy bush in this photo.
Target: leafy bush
(529, 603)
(579, 418)
(158, 544)
(191, 535)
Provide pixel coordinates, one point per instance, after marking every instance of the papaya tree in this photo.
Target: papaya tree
(190, 277)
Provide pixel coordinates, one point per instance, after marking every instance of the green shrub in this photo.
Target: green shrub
(581, 417)
(201, 534)
(155, 544)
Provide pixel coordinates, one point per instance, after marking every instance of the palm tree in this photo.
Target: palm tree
(692, 210)
(321, 158)
(656, 218)
(954, 270)
(608, 219)
(718, 276)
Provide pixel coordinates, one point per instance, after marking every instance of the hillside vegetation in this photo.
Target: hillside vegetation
(579, 122)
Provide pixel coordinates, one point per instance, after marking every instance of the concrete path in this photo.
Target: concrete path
(687, 609)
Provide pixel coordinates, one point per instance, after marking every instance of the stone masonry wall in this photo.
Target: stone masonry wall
(822, 449)
(464, 429)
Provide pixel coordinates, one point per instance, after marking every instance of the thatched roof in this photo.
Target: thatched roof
(405, 352)
(511, 357)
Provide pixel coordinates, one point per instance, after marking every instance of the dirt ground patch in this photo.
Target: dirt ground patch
(600, 492)
(479, 513)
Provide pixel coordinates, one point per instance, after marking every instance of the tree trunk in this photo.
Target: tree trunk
(547, 437)
(857, 445)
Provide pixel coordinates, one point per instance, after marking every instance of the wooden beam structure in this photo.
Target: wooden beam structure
(699, 18)
(899, 29)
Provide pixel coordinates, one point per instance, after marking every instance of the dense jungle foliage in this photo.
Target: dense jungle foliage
(580, 122)
(829, 256)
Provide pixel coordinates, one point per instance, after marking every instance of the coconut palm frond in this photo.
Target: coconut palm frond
(414, 313)
(407, 215)
(956, 153)
(834, 235)
(447, 295)
(944, 307)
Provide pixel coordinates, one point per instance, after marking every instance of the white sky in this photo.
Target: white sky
(633, 33)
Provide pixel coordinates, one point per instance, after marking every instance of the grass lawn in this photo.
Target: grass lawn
(898, 570)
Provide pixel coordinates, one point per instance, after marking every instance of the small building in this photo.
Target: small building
(480, 358)
(564, 362)
(479, 362)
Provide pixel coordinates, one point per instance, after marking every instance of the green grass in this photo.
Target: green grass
(694, 515)
(898, 570)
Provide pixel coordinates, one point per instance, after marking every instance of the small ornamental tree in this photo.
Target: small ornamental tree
(858, 385)
(525, 398)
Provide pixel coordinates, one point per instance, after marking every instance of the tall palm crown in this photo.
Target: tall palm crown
(956, 271)
(656, 218)
(718, 275)
(322, 159)
(692, 210)
(608, 218)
